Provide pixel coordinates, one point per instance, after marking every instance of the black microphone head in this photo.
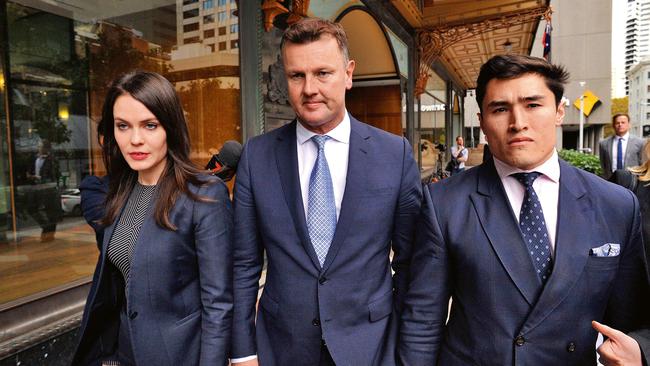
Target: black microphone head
(230, 153)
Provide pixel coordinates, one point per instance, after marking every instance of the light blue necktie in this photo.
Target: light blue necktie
(619, 154)
(533, 227)
(321, 209)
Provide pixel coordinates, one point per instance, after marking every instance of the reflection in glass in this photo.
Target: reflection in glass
(61, 59)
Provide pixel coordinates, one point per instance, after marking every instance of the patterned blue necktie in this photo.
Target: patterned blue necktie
(533, 227)
(321, 210)
(619, 154)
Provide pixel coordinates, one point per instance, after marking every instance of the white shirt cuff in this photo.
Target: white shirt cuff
(242, 359)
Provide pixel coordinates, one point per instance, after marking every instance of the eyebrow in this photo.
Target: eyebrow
(118, 119)
(502, 103)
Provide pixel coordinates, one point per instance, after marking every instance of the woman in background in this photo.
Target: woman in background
(162, 293)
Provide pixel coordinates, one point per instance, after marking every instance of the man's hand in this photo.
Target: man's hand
(619, 349)
(252, 362)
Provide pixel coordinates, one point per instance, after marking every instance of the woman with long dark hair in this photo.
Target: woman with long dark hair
(162, 289)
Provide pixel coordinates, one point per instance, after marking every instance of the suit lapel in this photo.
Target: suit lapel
(286, 157)
(572, 244)
(610, 146)
(500, 225)
(354, 186)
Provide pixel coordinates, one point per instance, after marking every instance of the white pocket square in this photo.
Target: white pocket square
(606, 250)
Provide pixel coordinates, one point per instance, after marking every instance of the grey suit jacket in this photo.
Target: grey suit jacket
(633, 154)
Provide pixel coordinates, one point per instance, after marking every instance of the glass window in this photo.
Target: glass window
(207, 4)
(233, 14)
(55, 66)
(222, 2)
(222, 16)
(222, 31)
(234, 28)
(187, 2)
(234, 43)
(222, 46)
(190, 27)
(190, 13)
(208, 33)
(207, 19)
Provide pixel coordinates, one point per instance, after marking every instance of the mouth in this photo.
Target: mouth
(312, 103)
(519, 141)
(138, 155)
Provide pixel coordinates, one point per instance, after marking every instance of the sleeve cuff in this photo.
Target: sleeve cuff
(242, 359)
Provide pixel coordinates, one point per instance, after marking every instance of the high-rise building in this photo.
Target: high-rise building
(637, 34)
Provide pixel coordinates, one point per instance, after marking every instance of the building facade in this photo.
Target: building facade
(637, 34)
(639, 97)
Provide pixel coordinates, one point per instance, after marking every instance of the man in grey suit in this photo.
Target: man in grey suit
(621, 150)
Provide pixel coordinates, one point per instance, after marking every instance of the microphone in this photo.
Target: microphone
(224, 163)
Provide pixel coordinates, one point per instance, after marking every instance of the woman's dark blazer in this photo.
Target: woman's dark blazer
(180, 291)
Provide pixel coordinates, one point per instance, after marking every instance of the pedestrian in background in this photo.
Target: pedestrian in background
(621, 150)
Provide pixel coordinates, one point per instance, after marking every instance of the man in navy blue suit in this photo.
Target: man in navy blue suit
(531, 251)
(326, 197)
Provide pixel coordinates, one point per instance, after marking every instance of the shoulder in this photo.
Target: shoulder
(640, 141)
(211, 187)
(376, 135)
(93, 183)
(603, 192)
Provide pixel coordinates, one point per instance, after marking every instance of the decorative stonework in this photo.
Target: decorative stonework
(432, 42)
(273, 8)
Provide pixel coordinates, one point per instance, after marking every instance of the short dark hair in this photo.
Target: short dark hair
(513, 66)
(618, 115)
(159, 96)
(309, 30)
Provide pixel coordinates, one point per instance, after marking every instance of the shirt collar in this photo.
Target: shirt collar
(340, 133)
(550, 168)
(624, 137)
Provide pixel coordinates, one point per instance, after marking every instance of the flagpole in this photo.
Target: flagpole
(582, 116)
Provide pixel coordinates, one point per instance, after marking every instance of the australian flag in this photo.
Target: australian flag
(547, 41)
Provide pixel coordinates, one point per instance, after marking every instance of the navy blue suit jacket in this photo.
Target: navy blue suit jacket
(349, 302)
(469, 248)
(93, 196)
(180, 289)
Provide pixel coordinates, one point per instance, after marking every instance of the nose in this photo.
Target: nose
(518, 120)
(309, 88)
(136, 137)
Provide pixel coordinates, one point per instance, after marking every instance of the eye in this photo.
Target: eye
(151, 125)
(296, 76)
(121, 125)
(534, 105)
(499, 110)
(322, 74)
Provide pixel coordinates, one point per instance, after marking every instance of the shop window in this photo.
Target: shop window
(59, 67)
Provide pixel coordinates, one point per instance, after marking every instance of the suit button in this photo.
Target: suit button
(315, 322)
(571, 347)
(133, 315)
(322, 280)
(519, 341)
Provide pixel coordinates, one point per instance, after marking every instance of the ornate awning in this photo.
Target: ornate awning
(463, 34)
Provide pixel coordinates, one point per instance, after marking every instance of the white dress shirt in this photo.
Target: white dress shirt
(337, 149)
(546, 186)
(625, 139)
